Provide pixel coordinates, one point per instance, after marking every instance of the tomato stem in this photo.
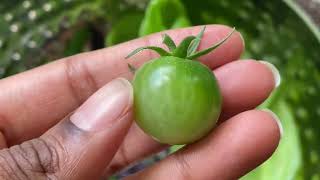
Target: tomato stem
(187, 49)
(182, 50)
(159, 50)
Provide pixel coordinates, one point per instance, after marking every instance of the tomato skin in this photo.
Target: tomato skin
(176, 101)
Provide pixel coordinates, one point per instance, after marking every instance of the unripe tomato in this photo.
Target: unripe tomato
(176, 101)
(176, 98)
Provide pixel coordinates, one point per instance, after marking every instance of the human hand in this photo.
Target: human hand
(99, 138)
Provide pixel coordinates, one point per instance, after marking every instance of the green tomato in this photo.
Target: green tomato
(176, 101)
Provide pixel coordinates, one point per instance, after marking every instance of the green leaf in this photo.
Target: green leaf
(195, 43)
(182, 50)
(169, 42)
(37, 31)
(77, 42)
(208, 50)
(306, 18)
(125, 29)
(163, 14)
(159, 50)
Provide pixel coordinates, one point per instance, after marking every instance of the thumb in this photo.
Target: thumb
(81, 145)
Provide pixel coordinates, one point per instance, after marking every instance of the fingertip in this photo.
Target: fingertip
(275, 72)
(259, 134)
(276, 120)
(265, 124)
(244, 85)
(264, 73)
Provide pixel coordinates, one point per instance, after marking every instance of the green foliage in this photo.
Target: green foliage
(162, 15)
(34, 32)
(125, 29)
(78, 41)
(26, 26)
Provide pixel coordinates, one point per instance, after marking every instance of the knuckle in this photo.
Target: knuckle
(48, 154)
(79, 79)
(34, 159)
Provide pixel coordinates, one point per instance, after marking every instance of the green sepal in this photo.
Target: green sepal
(208, 50)
(195, 43)
(159, 50)
(182, 50)
(186, 49)
(169, 42)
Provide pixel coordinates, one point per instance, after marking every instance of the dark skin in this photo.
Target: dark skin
(38, 107)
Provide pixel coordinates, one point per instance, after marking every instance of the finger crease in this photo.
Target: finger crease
(23, 155)
(50, 166)
(183, 166)
(37, 157)
(54, 153)
(4, 125)
(16, 162)
(9, 165)
(123, 152)
(79, 79)
(122, 162)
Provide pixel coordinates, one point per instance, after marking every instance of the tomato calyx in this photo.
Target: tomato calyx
(187, 49)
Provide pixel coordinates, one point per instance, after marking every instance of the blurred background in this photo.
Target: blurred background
(284, 32)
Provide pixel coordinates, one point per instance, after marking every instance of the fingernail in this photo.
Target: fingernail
(105, 106)
(275, 72)
(242, 39)
(276, 118)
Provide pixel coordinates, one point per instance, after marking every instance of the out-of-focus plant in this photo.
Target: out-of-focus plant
(34, 32)
(162, 15)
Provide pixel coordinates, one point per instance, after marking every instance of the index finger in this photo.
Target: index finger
(43, 96)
